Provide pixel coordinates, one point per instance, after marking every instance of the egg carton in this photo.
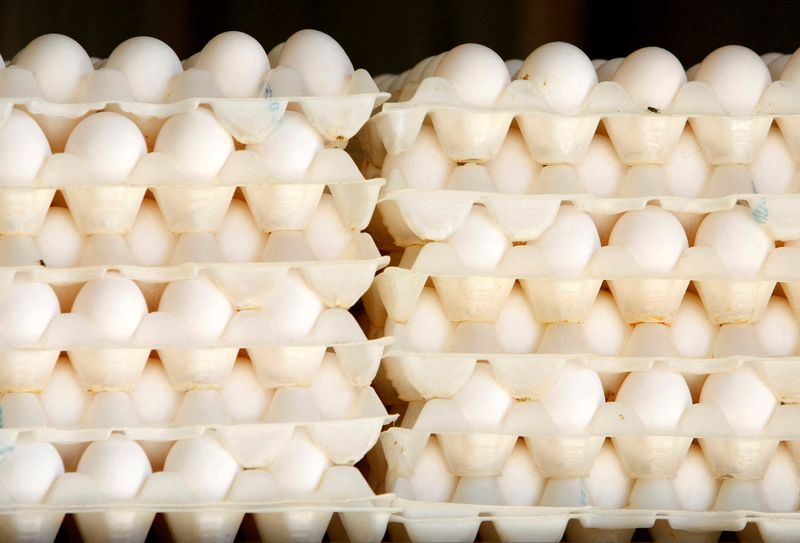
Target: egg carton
(471, 133)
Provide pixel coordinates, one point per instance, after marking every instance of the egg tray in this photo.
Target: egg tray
(277, 516)
(186, 204)
(641, 136)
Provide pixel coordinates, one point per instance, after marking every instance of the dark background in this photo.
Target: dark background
(390, 36)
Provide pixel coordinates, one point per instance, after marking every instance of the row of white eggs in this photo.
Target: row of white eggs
(607, 485)
(65, 402)
(236, 62)
(109, 145)
(150, 242)
(565, 76)
(600, 173)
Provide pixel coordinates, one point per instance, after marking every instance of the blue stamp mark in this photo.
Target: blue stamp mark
(761, 211)
(268, 91)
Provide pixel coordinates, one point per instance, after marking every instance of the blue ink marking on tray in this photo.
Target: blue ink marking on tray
(761, 211)
(268, 91)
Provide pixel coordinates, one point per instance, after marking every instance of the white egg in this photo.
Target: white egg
(239, 238)
(778, 330)
(208, 469)
(244, 398)
(774, 168)
(693, 333)
(687, 170)
(520, 483)
(741, 243)
(659, 398)
(563, 73)
(601, 170)
(414, 75)
(118, 466)
(604, 329)
(608, 484)
(652, 76)
(26, 310)
(655, 238)
(294, 307)
(424, 165)
(274, 54)
(430, 68)
(517, 329)
(58, 63)
(237, 63)
(64, 398)
(742, 397)
(155, 399)
(59, 241)
(479, 243)
(326, 234)
(198, 142)
(606, 71)
(780, 487)
(324, 67)
(737, 76)
(202, 308)
(432, 479)
(483, 401)
(299, 467)
(513, 170)
(23, 150)
(428, 326)
(334, 395)
(777, 66)
(113, 305)
(691, 73)
(150, 240)
(570, 242)
(109, 145)
(291, 146)
(513, 65)
(149, 66)
(29, 471)
(574, 398)
(478, 75)
(769, 57)
(695, 485)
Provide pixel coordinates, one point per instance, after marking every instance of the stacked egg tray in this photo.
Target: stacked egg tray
(592, 303)
(179, 250)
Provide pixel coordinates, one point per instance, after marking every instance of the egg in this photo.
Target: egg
(237, 62)
(740, 242)
(23, 150)
(520, 483)
(563, 73)
(742, 397)
(326, 234)
(479, 243)
(58, 63)
(333, 393)
(693, 333)
(64, 398)
(574, 398)
(430, 68)
(299, 467)
(208, 469)
(153, 397)
(695, 484)
(652, 76)
(654, 237)
(777, 66)
(239, 238)
(113, 305)
(428, 326)
(478, 75)
(604, 330)
(774, 169)
(780, 487)
(274, 54)
(118, 466)
(109, 145)
(659, 398)
(432, 479)
(570, 242)
(608, 484)
(202, 308)
(691, 73)
(482, 400)
(245, 400)
(29, 470)
(199, 144)
(414, 75)
(294, 307)
(778, 331)
(149, 66)
(424, 165)
(606, 71)
(150, 240)
(737, 76)
(601, 170)
(517, 329)
(769, 57)
(290, 147)
(687, 171)
(513, 170)
(324, 67)
(513, 65)
(59, 241)
(26, 310)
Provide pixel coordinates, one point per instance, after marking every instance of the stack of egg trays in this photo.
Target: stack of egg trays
(419, 222)
(108, 371)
